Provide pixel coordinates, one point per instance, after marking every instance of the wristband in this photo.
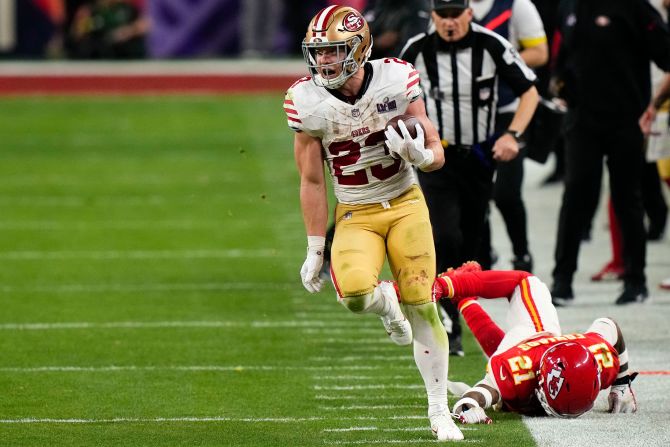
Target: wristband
(465, 401)
(430, 158)
(488, 398)
(316, 242)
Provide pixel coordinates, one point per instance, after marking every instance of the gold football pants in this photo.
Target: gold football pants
(364, 234)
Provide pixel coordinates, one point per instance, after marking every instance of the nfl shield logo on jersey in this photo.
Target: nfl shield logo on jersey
(356, 113)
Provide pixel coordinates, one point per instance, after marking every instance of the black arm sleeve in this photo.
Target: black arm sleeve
(657, 36)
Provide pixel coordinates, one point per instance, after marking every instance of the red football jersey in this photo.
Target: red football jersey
(514, 369)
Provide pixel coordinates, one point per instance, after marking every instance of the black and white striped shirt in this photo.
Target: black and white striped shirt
(460, 80)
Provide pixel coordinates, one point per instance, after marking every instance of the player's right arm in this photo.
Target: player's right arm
(622, 397)
(313, 200)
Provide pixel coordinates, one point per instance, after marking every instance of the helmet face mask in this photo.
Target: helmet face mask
(568, 380)
(337, 45)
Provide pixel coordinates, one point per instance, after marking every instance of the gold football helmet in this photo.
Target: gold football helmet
(343, 33)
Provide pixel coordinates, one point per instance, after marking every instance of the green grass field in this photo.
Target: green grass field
(150, 294)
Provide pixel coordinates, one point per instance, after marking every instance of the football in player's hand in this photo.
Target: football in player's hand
(410, 122)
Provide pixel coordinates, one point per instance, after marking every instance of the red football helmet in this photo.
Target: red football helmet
(568, 380)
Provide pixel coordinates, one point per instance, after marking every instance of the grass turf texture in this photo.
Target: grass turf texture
(153, 245)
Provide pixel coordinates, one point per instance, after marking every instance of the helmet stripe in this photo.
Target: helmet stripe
(323, 16)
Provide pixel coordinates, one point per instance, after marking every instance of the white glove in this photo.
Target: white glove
(622, 397)
(312, 265)
(410, 150)
(474, 414)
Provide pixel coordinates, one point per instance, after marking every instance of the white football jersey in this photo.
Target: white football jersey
(352, 135)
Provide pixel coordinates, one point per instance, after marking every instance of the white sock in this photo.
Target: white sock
(431, 354)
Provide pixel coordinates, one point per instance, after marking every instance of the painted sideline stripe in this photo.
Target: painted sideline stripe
(176, 324)
(137, 254)
(654, 373)
(201, 419)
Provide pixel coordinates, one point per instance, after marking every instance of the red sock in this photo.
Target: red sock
(615, 236)
(486, 331)
(488, 284)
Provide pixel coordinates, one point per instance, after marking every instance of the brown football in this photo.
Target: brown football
(410, 122)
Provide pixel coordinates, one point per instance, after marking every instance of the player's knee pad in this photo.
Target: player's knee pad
(358, 303)
(605, 327)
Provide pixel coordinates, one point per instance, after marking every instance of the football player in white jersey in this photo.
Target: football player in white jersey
(339, 115)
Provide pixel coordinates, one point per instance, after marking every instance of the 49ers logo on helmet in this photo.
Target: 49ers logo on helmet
(554, 382)
(353, 22)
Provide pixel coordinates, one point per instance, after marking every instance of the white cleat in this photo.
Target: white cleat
(396, 325)
(444, 428)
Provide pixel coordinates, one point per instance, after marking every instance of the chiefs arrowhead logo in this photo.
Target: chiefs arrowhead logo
(554, 382)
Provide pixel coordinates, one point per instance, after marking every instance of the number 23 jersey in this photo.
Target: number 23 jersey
(352, 135)
(513, 371)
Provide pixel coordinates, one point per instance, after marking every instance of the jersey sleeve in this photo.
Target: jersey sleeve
(511, 68)
(291, 107)
(413, 89)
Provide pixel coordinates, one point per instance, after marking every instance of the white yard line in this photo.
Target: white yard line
(123, 288)
(174, 324)
(375, 398)
(360, 377)
(31, 255)
(122, 420)
(189, 368)
(367, 407)
(45, 225)
(359, 358)
(395, 441)
(367, 387)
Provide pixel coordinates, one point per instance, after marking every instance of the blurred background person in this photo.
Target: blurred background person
(31, 29)
(260, 24)
(108, 29)
(393, 22)
(604, 78)
(461, 64)
(519, 22)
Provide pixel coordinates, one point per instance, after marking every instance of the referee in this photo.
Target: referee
(460, 63)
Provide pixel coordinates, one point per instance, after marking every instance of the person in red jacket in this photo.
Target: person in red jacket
(534, 368)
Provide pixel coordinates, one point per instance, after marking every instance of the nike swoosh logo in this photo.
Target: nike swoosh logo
(502, 374)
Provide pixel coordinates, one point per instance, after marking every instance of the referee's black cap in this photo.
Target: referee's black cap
(449, 4)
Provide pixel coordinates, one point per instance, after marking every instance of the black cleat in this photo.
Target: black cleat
(633, 294)
(524, 263)
(561, 294)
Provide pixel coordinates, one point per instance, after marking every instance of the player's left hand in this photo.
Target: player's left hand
(410, 149)
(622, 397)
